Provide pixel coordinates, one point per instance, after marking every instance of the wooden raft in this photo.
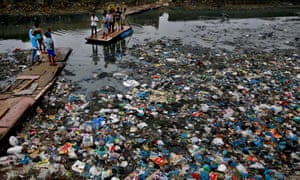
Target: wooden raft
(111, 37)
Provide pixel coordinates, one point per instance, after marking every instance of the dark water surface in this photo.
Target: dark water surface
(90, 66)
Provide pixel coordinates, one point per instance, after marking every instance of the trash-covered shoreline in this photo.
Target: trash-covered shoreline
(190, 113)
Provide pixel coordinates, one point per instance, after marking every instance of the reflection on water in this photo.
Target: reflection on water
(17, 27)
(95, 55)
(111, 52)
(190, 27)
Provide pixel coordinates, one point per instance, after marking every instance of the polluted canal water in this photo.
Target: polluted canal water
(206, 98)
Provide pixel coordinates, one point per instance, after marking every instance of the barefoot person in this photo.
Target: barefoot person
(111, 21)
(105, 24)
(117, 16)
(94, 21)
(50, 48)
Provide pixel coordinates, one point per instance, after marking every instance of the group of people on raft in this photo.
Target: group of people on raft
(112, 20)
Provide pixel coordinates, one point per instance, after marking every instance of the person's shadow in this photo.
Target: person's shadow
(120, 49)
(113, 52)
(109, 54)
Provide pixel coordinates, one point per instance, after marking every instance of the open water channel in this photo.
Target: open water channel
(262, 29)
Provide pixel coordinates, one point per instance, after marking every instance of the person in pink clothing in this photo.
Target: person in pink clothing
(105, 24)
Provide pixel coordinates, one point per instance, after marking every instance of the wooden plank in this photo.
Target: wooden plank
(28, 77)
(4, 96)
(48, 76)
(28, 91)
(18, 108)
(22, 86)
(110, 37)
(34, 71)
(6, 88)
(44, 90)
(4, 124)
(17, 83)
(3, 108)
(26, 84)
(62, 54)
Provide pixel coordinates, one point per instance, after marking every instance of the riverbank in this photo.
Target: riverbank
(66, 9)
(23, 9)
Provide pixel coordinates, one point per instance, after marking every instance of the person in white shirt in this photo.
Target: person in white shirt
(94, 20)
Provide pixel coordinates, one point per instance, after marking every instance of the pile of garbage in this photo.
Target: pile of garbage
(12, 62)
(190, 113)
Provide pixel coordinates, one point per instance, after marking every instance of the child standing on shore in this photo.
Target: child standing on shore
(50, 48)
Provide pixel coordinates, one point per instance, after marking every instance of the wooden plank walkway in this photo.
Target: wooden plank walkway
(145, 7)
(29, 86)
